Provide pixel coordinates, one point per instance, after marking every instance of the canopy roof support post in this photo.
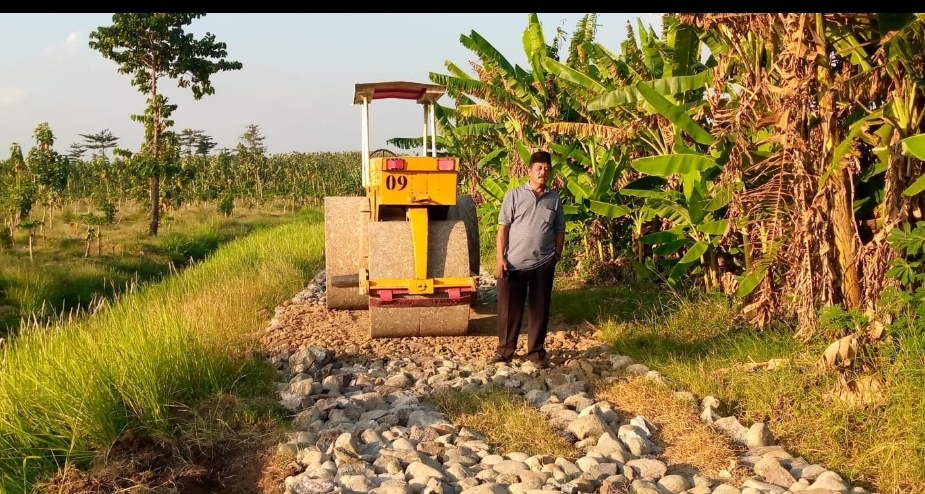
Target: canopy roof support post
(365, 131)
(433, 129)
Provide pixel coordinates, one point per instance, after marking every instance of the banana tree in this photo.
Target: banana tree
(696, 214)
(462, 137)
(510, 104)
(493, 190)
(588, 170)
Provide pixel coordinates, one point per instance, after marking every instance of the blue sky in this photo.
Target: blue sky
(297, 81)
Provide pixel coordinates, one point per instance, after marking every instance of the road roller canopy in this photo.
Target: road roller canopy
(424, 94)
(421, 93)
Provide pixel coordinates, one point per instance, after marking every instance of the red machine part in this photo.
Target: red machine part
(387, 298)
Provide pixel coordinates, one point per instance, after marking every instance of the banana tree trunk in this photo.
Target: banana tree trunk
(846, 238)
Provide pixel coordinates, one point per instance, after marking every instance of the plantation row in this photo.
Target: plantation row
(44, 177)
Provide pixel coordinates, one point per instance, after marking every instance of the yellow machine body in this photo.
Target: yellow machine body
(418, 185)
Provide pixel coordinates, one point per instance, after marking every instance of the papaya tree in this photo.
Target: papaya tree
(151, 47)
(49, 169)
(30, 227)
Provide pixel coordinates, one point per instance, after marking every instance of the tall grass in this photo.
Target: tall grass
(67, 391)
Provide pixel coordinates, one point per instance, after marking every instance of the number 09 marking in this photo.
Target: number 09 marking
(392, 182)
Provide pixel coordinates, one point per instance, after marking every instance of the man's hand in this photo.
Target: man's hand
(501, 269)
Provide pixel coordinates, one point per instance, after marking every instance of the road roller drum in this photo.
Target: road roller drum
(418, 315)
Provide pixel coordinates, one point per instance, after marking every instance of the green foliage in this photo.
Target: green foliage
(226, 204)
(908, 267)
(543, 106)
(150, 46)
(30, 225)
(109, 209)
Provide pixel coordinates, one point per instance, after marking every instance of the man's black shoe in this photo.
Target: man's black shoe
(498, 359)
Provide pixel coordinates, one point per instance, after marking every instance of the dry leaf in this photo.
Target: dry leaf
(772, 364)
(843, 349)
(876, 330)
(848, 348)
(830, 354)
(783, 91)
(866, 390)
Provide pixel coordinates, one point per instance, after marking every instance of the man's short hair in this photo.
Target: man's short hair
(540, 157)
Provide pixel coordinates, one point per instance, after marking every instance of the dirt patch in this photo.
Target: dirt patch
(347, 333)
(244, 463)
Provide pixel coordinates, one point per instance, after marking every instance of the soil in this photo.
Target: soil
(245, 463)
(143, 464)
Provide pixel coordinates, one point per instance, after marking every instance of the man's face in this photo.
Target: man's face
(539, 173)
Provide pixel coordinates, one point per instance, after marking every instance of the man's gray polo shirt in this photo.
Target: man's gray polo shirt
(534, 221)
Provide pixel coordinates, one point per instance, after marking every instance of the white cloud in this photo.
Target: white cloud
(71, 43)
(11, 96)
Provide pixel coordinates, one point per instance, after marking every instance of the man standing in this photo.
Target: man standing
(531, 235)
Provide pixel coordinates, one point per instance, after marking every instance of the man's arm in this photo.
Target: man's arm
(505, 218)
(560, 244)
(559, 229)
(501, 247)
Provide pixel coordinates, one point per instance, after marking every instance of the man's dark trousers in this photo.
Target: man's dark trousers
(513, 291)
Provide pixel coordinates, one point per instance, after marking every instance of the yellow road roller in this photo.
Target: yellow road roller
(408, 251)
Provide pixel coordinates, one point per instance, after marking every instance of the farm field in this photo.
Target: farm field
(67, 272)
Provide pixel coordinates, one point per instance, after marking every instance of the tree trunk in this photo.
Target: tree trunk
(155, 205)
(259, 183)
(156, 150)
(843, 228)
(30, 247)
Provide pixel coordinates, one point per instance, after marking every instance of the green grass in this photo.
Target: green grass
(694, 339)
(60, 280)
(508, 421)
(67, 391)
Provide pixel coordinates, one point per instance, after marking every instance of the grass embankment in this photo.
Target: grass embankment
(60, 279)
(67, 392)
(694, 340)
